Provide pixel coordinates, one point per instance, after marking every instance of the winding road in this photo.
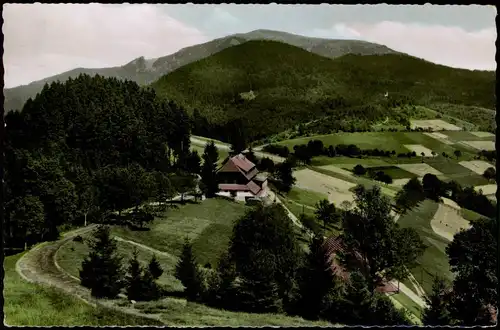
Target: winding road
(39, 266)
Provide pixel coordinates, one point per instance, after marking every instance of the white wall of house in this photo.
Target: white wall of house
(241, 195)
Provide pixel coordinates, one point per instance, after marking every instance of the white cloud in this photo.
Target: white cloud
(41, 40)
(447, 45)
(338, 31)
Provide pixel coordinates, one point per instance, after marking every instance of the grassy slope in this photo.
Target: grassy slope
(287, 80)
(210, 235)
(35, 305)
(168, 233)
(368, 183)
(434, 261)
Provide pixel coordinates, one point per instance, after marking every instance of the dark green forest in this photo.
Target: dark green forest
(78, 149)
(266, 87)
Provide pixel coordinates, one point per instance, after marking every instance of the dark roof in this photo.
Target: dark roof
(240, 163)
(250, 186)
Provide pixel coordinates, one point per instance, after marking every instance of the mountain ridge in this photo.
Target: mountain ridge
(288, 85)
(145, 71)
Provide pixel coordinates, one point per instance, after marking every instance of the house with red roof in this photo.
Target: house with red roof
(240, 179)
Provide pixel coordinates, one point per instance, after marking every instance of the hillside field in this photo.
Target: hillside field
(434, 260)
(382, 140)
(28, 304)
(209, 226)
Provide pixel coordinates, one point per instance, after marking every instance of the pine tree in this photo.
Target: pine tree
(357, 299)
(258, 291)
(226, 274)
(285, 176)
(316, 279)
(187, 271)
(209, 170)
(259, 294)
(151, 289)
(135, 283)
(437, 312)
(102, 271)
(154, 267)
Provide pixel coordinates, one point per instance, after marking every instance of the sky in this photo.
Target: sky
(42, 40)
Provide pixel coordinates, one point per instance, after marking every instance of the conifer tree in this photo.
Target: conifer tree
(187, 271)
(209, 170)
(135, 283)
(316, 279)
(101, 271)
(258, 291)
(151, 289)
(154, 267)
(437, 312)
(284, 176)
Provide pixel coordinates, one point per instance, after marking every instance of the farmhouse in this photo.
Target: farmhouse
(332, 246)
(239, 178)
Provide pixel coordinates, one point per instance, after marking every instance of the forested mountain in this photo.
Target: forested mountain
(144, 71)
(264, 87)
(91, 144)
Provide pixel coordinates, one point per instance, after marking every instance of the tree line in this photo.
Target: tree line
(305, 152)
(265, 270)
(433, 188)
(89, 147)
(374, 174)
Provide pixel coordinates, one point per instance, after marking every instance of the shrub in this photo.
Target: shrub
(359, 170)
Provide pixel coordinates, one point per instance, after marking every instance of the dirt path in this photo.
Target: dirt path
(412, 295)
(39, 266)
(295, 220)
(145, 247)
(418, 287)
